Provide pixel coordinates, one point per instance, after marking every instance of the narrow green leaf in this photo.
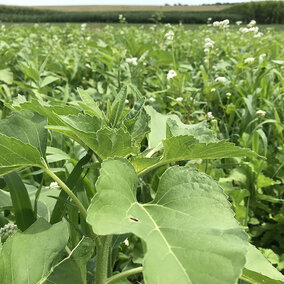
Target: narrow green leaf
(27, 257)
(22, 205)
(189, 228)
(48, 80)
(117, 107)
(71, 182)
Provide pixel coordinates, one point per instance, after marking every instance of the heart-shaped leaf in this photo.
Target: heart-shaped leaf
(189, 228)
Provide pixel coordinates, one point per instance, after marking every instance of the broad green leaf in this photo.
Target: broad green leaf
(158, 126)
(27, 257)
(189, 228)
(188, 148)
(28, 127)
(105, 142)
(199, 131)
(90, 105)
(22, 205)
(165, 126)
(82, 123)
(258, 270)
(183, 148)
(6, 76)
(48, 111)
(16, 155)
(73, 269)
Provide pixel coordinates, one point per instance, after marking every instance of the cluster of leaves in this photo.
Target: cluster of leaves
(130, 173)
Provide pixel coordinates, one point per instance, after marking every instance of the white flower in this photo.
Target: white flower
(212, 90)
(126, 242)
(152, 99)
(249, 60)
(120, 17)
(170, 35)
(54, 185)
(83, 27)
(88, 38)
(127, 101)
(261, 112)
(222, 24)
(171, 74)
(260, 34)
(132, 60)
(252, 23)
(208, 45)
(220, 80)
(244, 30)
(179, 99)
(209, 19)
(239, 23)
(88, 65)
(228, 95)
(210, 115)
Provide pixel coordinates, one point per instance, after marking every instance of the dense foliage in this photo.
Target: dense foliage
(266, 12)
(129, 130)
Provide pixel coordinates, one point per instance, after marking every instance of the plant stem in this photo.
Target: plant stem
(67, 190)
(124, 274)
(102, 259)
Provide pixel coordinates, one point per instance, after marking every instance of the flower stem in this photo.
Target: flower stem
(124, 274)
(68, 191)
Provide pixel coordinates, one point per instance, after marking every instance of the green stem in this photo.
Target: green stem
(68, 191)
(124, 274)
(102, 259)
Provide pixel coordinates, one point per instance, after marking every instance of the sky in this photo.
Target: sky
(110, 2)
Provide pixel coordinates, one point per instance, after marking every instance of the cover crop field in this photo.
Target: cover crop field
(141, 154)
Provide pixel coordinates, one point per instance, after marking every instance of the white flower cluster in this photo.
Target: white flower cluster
(261, 112)
(239, 23)
(220, 80)
(252, 23)
(179, 99)
(132, 61)
(208, 45)
(54, 185)
(7, 231)
(210, 115)
(249, 60)
(83, 27)
(171, 74)
(251, 28)
(170, 35)
(222, 24)
(121, 18)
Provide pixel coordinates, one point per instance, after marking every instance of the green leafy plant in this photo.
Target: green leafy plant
(183, 221)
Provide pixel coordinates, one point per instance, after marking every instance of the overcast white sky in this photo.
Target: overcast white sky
(111, 2)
